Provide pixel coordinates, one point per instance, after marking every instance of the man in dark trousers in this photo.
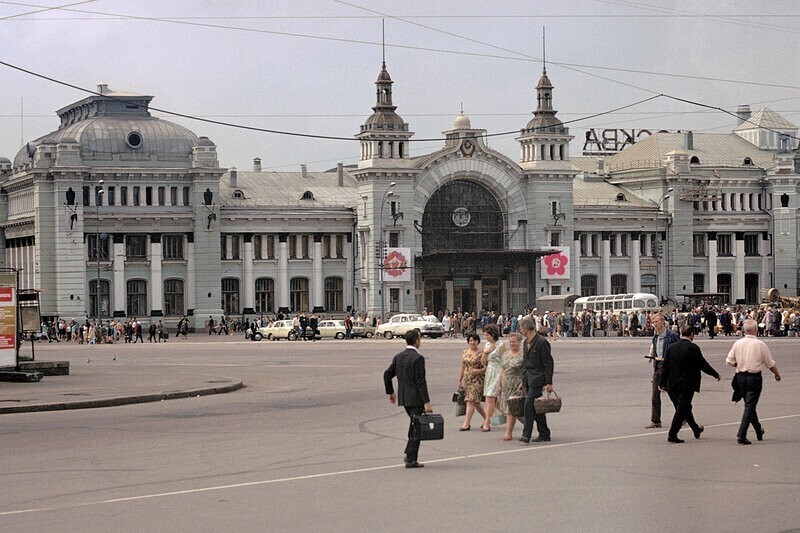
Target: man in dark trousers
(680, 377)
(711, 322)
(538, 365)
(412, 390)
(662, 338)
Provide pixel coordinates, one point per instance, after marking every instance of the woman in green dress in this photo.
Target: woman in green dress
(511, 376)
(492, 353)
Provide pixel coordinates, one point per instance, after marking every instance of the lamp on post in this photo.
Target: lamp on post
(658, 252)
(97, 296)
(381, 248)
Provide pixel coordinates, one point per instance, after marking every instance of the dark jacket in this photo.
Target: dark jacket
(538, 363)
(669, 337)
(683, 363)
(412, 388)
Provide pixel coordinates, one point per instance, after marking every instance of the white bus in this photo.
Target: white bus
(618, 303)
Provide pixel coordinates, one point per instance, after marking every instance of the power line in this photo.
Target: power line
(43, 9)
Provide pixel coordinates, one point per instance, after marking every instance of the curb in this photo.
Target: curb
(123, 400)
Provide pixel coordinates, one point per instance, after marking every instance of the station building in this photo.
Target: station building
(119, 214)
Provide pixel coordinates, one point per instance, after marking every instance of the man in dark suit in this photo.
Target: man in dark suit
(412, 390)
(680, 377)
(662, 338)
(538, 365)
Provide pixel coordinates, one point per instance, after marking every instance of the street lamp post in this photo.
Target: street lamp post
(657, 252)
(381, 258)
(97, 298)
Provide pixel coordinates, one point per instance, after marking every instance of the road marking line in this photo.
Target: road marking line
(363, 470)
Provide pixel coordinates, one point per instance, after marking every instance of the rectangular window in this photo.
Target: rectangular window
(136, 196)
(136, 247)
(112, 196)
(172, 246)
(98, 195)
(173, 297)
(555, 238)
(269, 253)
(724, 246)
(612, 244)
(162, 196)
(583, 245)
(595, 245)
(173, 196)
(257, 249)
(235, 246)
(123, 196)
(699, 246)
(623, 245)
(394, 239)
(326, 246)
(86, 196)
(339, 245)
(699, 282)
(751, 245)
(148, 196)
(91, 246)
(555, 290)
(186, 196)
(394, 300)
(223, 247)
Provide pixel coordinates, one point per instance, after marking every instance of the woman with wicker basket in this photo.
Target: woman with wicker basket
(471, 375)
(511, 388)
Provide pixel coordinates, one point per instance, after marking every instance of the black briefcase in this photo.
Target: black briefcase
(430, 426)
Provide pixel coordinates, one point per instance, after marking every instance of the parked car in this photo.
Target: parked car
(280, 329)
(399, 324)
(331, 328)
(362, 329)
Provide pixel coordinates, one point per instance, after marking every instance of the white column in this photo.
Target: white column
(156, 283)
(738, 268)
(478, 294)
(764, 282)
(589, 245)
(636, 266)
(347, 252)
(576, 264)
(317, 296)
(249, 288)
(449, 296)
(190, 274)
(712, 263)
(283, 272)
(118, 256)
(605, 264)
(228, 247)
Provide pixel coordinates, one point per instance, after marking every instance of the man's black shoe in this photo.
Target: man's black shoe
(760, 434)
(675, 440)
(699, 430)
(743, 442)
(523, 439)
(541, 438)
(415, 464)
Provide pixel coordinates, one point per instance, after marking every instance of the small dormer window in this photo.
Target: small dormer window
(621, 197)
(308, 195)
(238, 194)
(747, 161)
(694, 160)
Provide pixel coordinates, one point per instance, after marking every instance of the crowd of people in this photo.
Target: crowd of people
(111, 331)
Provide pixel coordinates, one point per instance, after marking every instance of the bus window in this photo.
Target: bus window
(639, 304)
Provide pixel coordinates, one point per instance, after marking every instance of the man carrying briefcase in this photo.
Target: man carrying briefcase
(412, 390)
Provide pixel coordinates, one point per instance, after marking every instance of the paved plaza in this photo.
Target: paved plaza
(311, 444)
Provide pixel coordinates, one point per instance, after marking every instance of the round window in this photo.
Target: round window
(134, 139)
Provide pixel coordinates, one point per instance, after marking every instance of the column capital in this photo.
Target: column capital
(576, 235)
(764, 235)
(248, 237)
(635, 235)
(605, 235)
(739, 235)
(155, 238)
(283, 237)
(190, 238)
(119, 238)
(712, 235)
(317, 237)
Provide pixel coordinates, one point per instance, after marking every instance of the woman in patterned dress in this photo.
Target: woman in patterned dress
(511, 375)
(471, 377)
(492, 353)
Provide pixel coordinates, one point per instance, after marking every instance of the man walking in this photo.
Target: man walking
(680, 377)
(538, 365)
(750, 356)
(662, 338)
(412, 390)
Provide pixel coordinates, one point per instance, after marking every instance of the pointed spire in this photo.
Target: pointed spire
(544, 53)
(383, 42)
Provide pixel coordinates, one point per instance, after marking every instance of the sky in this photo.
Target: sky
(309, 67)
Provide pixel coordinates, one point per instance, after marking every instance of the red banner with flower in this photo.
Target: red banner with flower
(557, 265)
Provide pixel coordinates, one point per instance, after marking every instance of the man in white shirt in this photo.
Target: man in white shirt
(750, 356)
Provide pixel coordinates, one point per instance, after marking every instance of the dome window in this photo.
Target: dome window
(134, 139)
(747, 161)
(308, 195)
(621, 197)
(694, 160)
(238, 194)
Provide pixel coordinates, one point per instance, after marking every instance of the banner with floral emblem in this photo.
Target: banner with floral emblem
(396, 266)
(556, 265)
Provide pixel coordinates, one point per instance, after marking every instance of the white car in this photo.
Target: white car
(399, 324)
(331, 328)
(280, 329)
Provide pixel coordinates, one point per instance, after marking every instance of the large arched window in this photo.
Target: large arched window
(298, 294)
(334, 294)
(104, 298)
(173, 297)
(589, 285)
(265, 295)
(137, 298)
(230, 296)
(619, 284)
(462, 215)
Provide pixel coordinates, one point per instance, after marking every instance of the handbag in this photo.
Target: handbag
(461, 404)
(429, 426)
(547, 404)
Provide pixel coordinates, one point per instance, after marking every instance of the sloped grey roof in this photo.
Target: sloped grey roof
(593, 193)
(285, 189)
(766, 118)
(715, 149)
